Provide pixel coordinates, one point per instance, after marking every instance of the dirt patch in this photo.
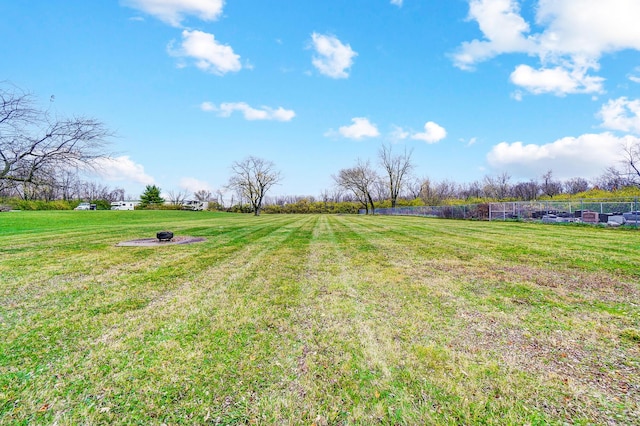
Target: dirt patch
(154, 242)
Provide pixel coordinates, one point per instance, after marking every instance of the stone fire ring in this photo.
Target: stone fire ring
(154, 242)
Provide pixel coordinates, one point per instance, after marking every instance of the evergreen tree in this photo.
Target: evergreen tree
(151, 195)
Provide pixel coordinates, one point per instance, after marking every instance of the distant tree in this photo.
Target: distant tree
(68, 184)
(252, 178)
(446, 190)
(116, 195)
(177, 197)
(337, 195)
(631, 155)
(526, 191)
(203, 195)
(35, 146)
(497, 187)
(413, 188)
(576, 185)
(220, 197)
(470, 190)
(380, 190)
(549, 186)
(151, 196)
(612, 179)
(359, 180)
(397, 169)
(428, 193)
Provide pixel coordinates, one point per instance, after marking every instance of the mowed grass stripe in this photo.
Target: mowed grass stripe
(339, 359)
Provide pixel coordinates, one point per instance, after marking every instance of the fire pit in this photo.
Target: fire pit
(164, 236)
(156, 242)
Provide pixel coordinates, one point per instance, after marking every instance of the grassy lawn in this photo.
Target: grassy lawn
(316, 319)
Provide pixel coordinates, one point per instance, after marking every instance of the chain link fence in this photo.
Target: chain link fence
(467, 211)
(613, 212)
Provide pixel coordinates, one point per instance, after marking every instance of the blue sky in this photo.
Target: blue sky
(473, 87)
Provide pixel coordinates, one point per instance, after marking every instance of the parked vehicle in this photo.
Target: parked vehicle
(124, 205)
(85, 206)
(195, 205)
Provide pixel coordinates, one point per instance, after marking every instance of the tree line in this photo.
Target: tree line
(392, 182)
(41, 157)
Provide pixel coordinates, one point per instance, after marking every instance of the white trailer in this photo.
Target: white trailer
(124, 205)
(195, 205)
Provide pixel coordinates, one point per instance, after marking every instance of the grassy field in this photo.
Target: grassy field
(316, 320)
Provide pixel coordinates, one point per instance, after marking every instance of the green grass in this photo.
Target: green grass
(315, 319)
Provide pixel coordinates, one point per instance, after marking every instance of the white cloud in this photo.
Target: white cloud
(173, 12)
(588, 27)
(433, 133)
(333, 58)
(575, 35)
(209, 55)
(503, 28)
(250, 113)
(469, 142)
(208, 106)
(361, 128)
(398, 134)
(587, 156)
(193, 185)
(635, 75)
(397, 2)
(558, 80)
(122, 169)
(621, 114)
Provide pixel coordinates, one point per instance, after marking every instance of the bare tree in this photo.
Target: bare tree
(526, 191)
(33, 145)
(413, 188)
(359, 180)
(631, 154)
(116, 195)
(446, 190)
(203, 195)
(176, 198)
(470, 190)
(337, 195)
(576, 185)
(91, 191)
(549, 186)
(497, 187)
(397, 169)
(220, 197)
(612, 179)
(252, 178)
(68, 184)
(380, 190)
(428, 193)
